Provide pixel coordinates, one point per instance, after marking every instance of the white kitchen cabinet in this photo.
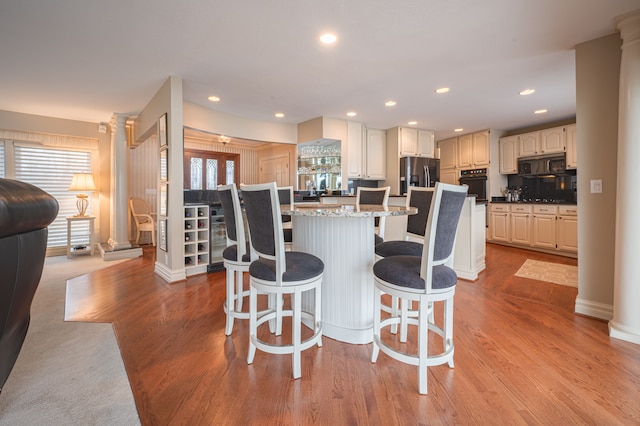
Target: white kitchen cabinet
(470, 249)
(375, 164)
(426, 143)
(448, 154)
(572, 148)
(465, 151)
(481, 149)
(449, 176)
(355, 150)
(544, 226)
(552, 140)
(408, 142)
(568, 229)
(520, 231)
(499, 223)
(529, 144)
(508, 155)
(196, 239)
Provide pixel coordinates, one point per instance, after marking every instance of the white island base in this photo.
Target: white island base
(346, 246)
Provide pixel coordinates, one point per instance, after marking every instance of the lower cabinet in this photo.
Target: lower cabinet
(551, 228)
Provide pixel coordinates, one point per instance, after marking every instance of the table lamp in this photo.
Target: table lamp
(82, 182)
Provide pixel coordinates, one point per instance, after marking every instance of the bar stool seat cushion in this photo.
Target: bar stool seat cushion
(300, 266)
(378, 239)
(404, 271)
(231, 253)
(399, 248)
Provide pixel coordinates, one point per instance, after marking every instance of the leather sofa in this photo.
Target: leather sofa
(25, 213)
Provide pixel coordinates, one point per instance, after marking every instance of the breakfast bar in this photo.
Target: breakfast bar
(343, 237)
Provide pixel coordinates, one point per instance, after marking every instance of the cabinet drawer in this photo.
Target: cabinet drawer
(504, 208)
(545, 209)
(568, 210)
(520, 208)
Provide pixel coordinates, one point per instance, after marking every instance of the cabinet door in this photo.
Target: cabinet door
(509, 155)
(375, 155)
(572, 148)
(481, 149)
(552, 140)
(465, 151)
(500, 227)
(544, 231)
(408, 142)
(449, 176)
(528, 144)
(354, 150)
(568, 233)
(426, 143)
(521, 228)
(448, 153)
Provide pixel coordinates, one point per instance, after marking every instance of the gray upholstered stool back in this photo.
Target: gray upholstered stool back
(419, 198)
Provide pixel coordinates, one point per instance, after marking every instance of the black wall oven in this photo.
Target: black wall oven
(476, 180)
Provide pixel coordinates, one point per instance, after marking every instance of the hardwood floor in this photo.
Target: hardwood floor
(522, 357)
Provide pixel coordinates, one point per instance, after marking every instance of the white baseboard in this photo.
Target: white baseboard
(594, 309)
(168, 274)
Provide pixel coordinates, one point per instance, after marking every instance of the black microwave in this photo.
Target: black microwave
(541, 166)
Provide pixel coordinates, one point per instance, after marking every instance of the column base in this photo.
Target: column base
(109, 253)
(619, 331)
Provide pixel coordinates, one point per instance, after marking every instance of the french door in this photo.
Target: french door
(205, 170)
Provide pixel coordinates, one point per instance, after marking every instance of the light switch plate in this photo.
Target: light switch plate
(596, 186)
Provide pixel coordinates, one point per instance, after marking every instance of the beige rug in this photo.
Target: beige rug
(67, 373)
(549, 272)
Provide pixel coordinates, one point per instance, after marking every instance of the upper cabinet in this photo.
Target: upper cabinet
(546, 141)
(466, 151)
(509, 155)
(410, 142)
(375, 159)
(366, 152)
(572, 148)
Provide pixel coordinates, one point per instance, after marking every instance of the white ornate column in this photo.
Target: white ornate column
(625, 324)
(119, 246)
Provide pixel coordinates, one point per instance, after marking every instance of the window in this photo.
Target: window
(1, 159)
(51, 170)
(205, 170)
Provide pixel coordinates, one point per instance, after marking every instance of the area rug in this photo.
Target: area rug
(67, 373)
(549, 272)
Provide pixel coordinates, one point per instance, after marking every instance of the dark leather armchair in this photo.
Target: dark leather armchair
(25, 213)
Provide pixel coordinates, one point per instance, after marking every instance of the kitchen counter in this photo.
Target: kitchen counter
(566, 203)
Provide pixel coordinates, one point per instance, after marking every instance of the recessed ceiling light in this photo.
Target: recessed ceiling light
(390, 103)
(351, 114)
(540, 111)
(459, 129)
(279, 114)
(214, 98)
(412, 123)
(527, 92)
(442, 90)
(328, 38)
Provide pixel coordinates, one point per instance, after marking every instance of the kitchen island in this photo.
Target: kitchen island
(343, 237)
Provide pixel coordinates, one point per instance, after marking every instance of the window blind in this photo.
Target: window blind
(1, 159)
(51, 170)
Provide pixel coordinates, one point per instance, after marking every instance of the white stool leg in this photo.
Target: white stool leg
(229, 302)
(377, 294)
(404, 318)
(238, 295)
(296, 301)
(317, 313)
(253, 321)
(423, 344)
(394, 312)
(448, 327)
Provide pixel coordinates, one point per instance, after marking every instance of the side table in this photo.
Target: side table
(71, 251)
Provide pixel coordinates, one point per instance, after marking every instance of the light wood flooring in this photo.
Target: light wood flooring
(521, 357)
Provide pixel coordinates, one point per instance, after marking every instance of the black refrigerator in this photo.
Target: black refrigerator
(418, 171)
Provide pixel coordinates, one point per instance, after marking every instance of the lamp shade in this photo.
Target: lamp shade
(82, 182)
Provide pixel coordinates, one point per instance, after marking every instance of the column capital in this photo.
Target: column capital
(629, 27)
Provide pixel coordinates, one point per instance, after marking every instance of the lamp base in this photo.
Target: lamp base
(82, 204)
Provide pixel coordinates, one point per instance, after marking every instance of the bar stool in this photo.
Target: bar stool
(279, 272)
(285, 196)
(378, 197)
(237, 256)
(410, 245)
(426, 280)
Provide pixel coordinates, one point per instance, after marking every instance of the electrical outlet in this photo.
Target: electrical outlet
(596, 186)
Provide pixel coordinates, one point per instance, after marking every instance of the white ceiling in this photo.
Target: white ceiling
(74, 59)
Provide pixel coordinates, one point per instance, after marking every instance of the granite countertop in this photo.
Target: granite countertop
(566, 203)
(338, 210)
